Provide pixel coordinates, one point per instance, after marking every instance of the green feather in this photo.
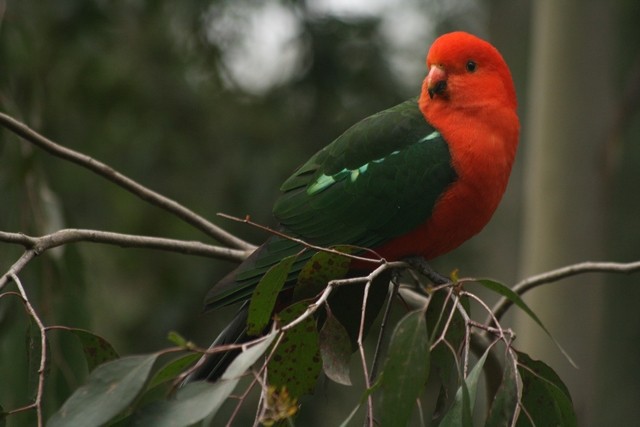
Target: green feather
(379, 180)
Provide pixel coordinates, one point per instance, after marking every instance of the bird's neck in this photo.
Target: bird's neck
(482, 139)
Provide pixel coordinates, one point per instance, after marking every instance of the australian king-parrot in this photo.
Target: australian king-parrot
(417, 179)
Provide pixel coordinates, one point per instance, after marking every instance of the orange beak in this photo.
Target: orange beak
(436, 81)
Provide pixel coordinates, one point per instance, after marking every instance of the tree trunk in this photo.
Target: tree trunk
(569, 106)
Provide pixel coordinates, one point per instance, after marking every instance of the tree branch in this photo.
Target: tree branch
(74, 235)
(37, 404)
(376, 258)
(38, 245)
(17, 267)
(562, 273)
(125, 182)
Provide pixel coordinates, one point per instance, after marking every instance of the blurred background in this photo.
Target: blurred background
(214, 103)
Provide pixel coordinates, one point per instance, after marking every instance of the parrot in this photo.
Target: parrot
(415, 180)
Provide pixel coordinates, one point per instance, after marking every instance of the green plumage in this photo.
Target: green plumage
(379, 180)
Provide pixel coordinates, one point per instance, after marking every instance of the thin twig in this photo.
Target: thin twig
(492, 366)
(363, 358)
(467, 334)
(37, 404)
(263, 383)
(324, 296)
(492, 319)
(383, 326)
(247, 220)
(241, 399)
(17, 267)
(562, 273)
(445, 328)
(123, 181)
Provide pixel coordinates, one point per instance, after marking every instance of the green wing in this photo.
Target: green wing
(378, 180)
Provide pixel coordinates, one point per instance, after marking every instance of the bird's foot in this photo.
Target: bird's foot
(422, 266)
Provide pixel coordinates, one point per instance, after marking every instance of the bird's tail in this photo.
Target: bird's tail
(212, 366)
(342, 302)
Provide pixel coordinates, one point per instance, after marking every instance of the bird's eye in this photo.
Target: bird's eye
(472, 66)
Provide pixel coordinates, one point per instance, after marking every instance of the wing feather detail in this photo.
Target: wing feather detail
(379, 180)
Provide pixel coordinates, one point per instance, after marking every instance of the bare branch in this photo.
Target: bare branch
(383, 327)
(17, 267)
(247, 220)
(125, 182)
(324, 296)
(363, 358)
(38, 245)
(74, 235)
(37, 404)
(562, 273)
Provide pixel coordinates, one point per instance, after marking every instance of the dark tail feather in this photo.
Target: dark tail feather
(212, 366)
(342, 302)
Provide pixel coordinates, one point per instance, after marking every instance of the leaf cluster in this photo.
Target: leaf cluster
(431, 373)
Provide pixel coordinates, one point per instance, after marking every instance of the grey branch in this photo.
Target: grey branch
(123, 181)
(38, 245)
(562, 273)
(73, 235)
(37, 404)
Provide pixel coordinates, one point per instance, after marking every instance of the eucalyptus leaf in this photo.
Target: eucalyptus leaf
(461, 412)
(406, 369)
(174, 368)
(96, 349)
(201, 399)
(320, 270)
(109, 390)
(505, 402)
(193, 403)
(296, 362)
(335, 349)
(544, 396)
(515, 298)
(263, 299)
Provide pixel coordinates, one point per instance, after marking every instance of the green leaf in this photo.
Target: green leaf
(444, 359)
(174, 368)
(97, 350)
(248, 357)
(406, 369)
(201, 399)
(193, 403)
(544, 396)
(320, 270)
(515, 298)
(335, 348)
(505, 402)
(461, 412)
(178, 339)
(264, 297)
(296, 362)
(109, 390)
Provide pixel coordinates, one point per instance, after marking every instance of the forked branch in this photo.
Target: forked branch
(38, 245)
(123, 181)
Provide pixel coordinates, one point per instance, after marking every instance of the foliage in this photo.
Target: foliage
(286, 362)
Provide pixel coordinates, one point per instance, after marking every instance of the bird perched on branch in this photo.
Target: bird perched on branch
(418, 179)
